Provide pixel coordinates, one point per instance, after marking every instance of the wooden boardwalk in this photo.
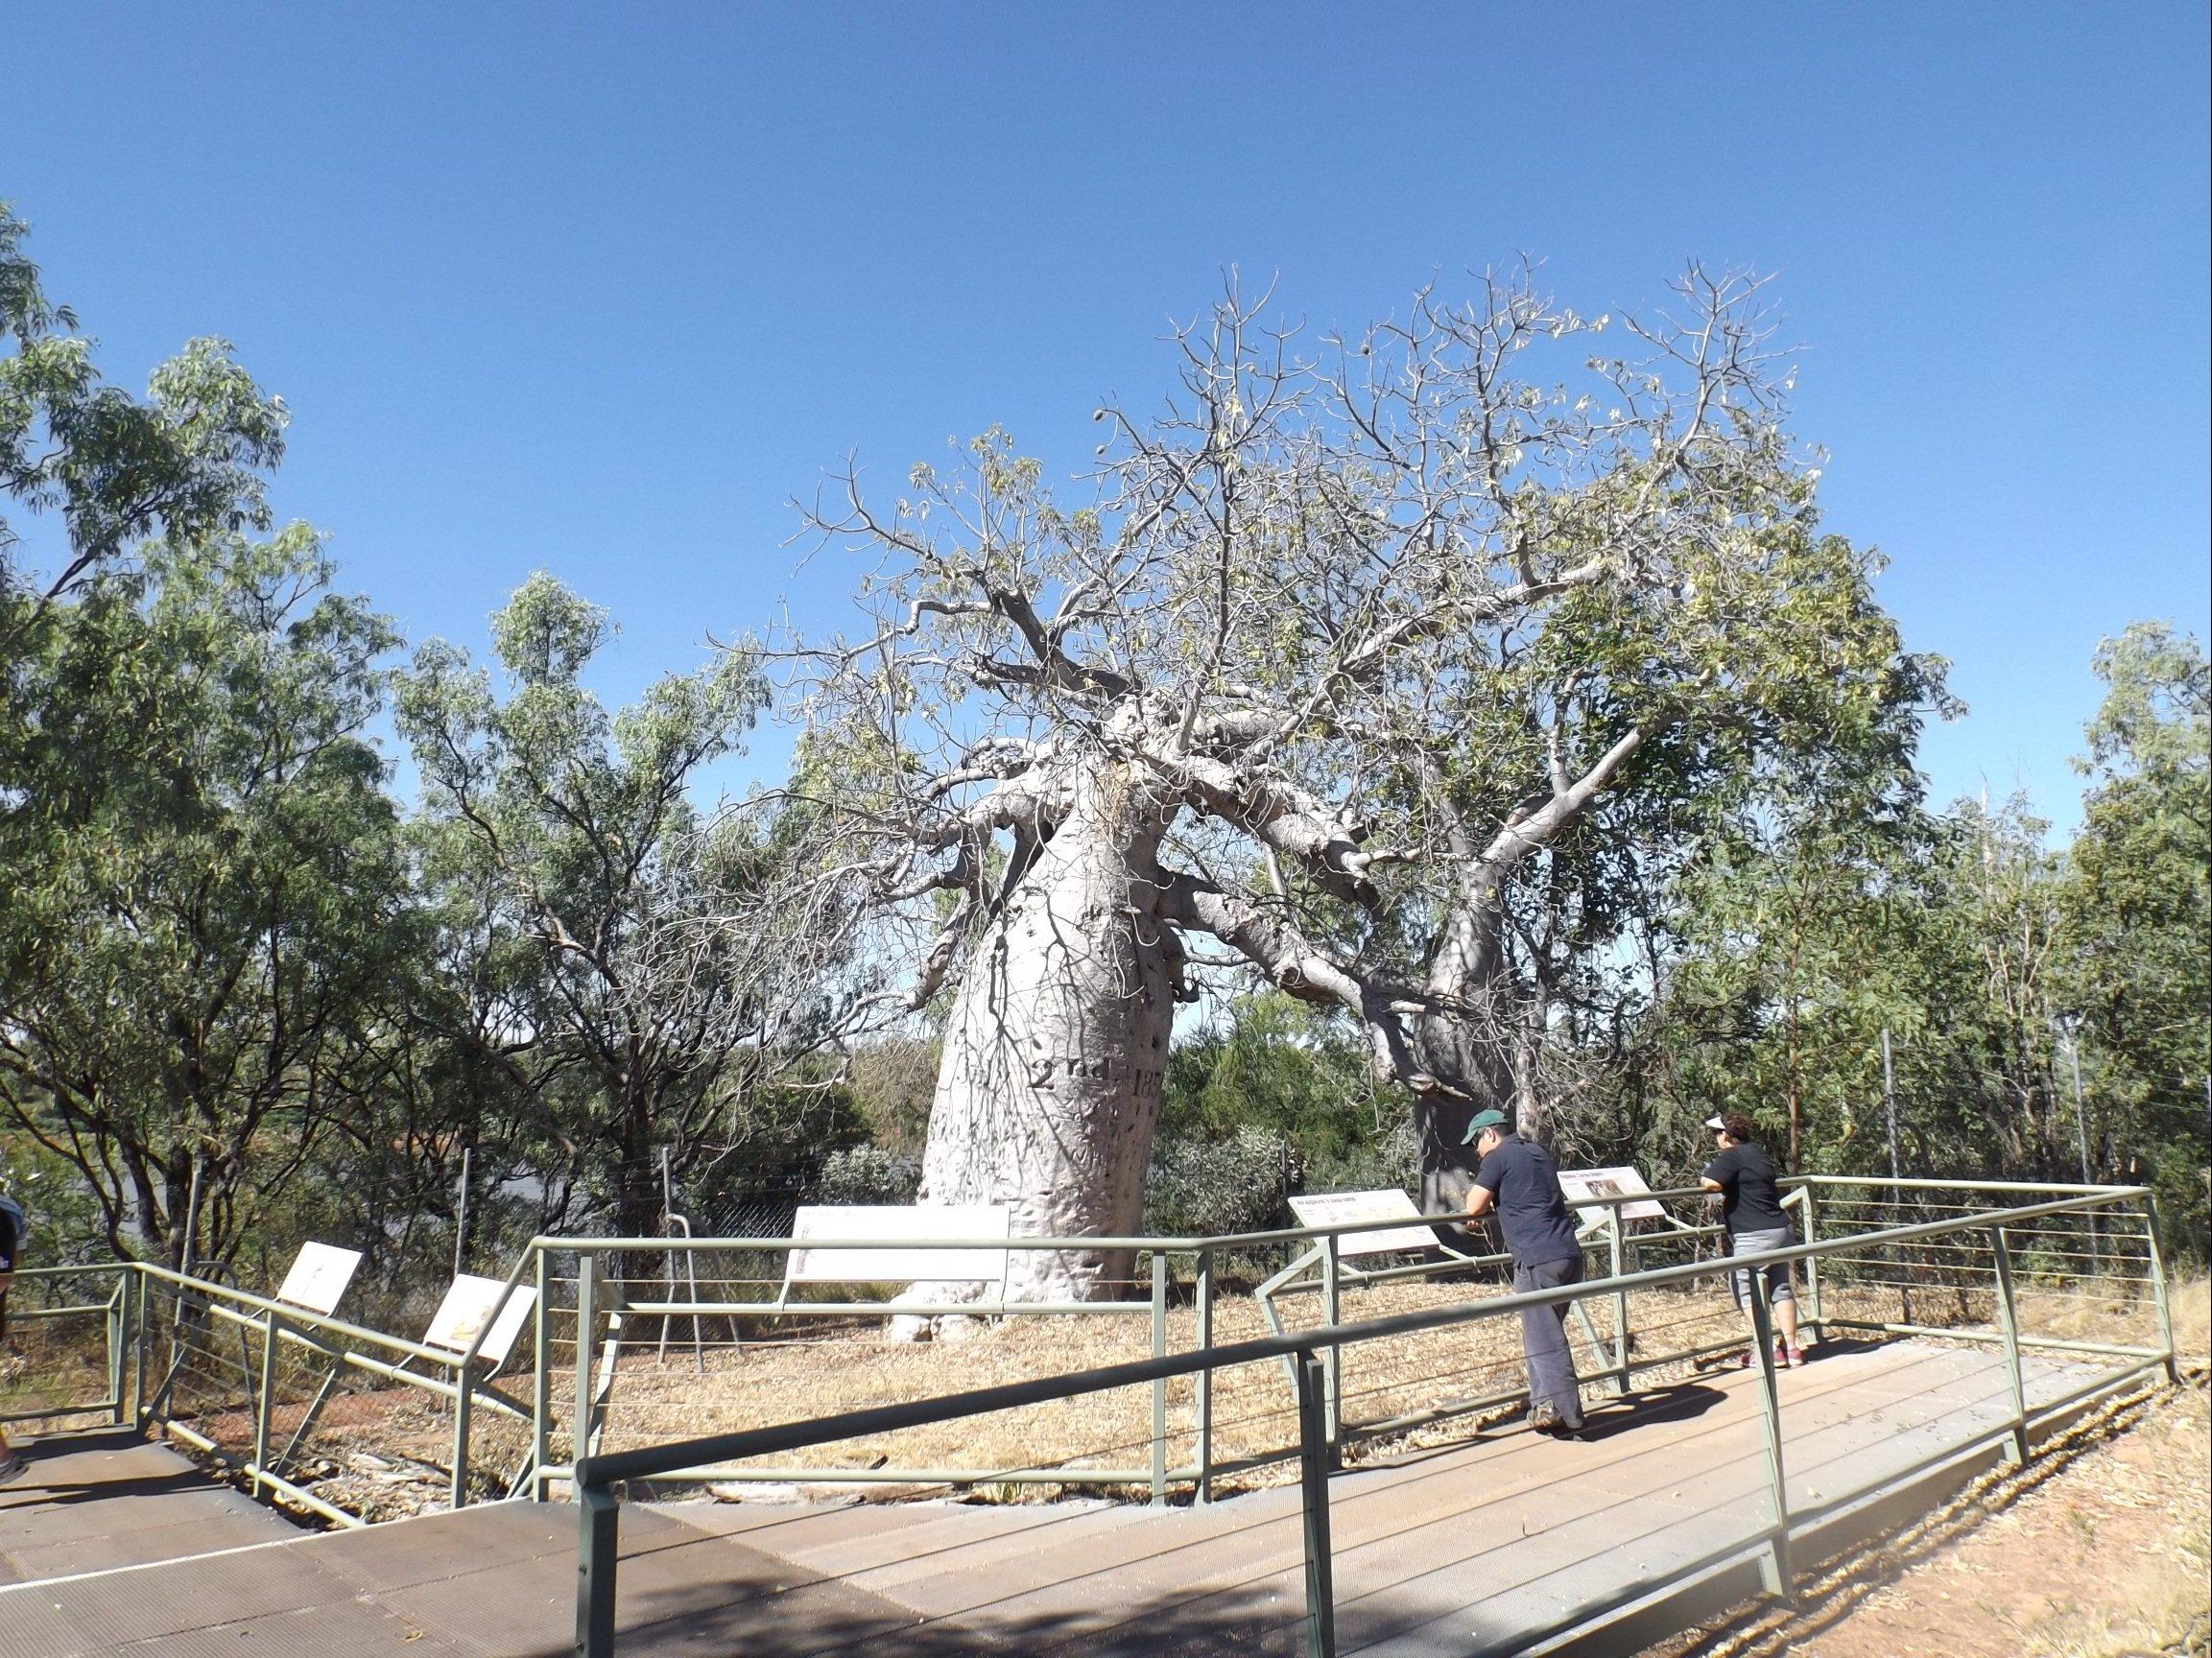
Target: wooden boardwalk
(1501, 1545)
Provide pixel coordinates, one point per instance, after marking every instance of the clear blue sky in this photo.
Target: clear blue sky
(599, 290)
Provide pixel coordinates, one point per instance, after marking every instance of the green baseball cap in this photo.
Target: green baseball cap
(1481, 1121)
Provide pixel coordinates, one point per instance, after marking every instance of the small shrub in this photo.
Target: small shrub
(866, 1174)
(1205, 1188)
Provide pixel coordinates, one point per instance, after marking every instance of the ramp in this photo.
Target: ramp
(1506, 1544)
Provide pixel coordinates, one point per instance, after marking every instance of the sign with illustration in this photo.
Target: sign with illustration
(1389, 1210)
(465, 1308)
(1612, 1183)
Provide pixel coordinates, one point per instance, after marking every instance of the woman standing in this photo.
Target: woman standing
(1743, 1177)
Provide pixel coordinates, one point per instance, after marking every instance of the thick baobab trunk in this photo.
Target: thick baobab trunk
(1466, 1050)
(1048, 1088)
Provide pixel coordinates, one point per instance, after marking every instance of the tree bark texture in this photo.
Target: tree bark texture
(1050, 1085)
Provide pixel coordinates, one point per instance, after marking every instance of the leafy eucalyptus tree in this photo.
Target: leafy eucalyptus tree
(1361, 670)
(206, 899)
(2136, 902)
(604, 891)
(187, 461)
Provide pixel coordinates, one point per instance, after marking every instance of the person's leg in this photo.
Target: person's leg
(1782, 1297)
(1555, 1392)
(1740, 1287)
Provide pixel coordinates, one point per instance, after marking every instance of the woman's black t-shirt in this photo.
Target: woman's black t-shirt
(1748, 1200)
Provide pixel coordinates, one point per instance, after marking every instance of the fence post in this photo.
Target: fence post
(1314, 1501)
(1812, 1262)
(139, 1352)
(540, 1388)
(266, 1403)
(600, 1521)
(1160, 1383)
(580, 1429)
(1204, 1380)
(118, 1338)
(2008, 1324)
(2157, 1263)
(1332, 1310)
(1620, 1304)
(1775, 1569)
(463, 1410)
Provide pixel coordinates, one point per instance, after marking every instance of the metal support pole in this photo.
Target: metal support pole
(266, 1403)
(1159, 1385)
(463, 1410)
(2081, 1142)
(2157, 1262)
(598, 1548)
(460, 1217)
(1889, 1110)
(1620, 1304)
(1204, 1380)
(1332, 1310)
(1775, 1569)
(309, 1417)
(1314, 1501)
(140, 1352)
(1812, 1262)
(580, 1429)
(540, 1389)
(118, 1339)
(1896, 1190)
(2009, 1324)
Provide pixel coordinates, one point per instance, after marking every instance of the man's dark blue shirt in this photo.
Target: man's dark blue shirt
(1531, 1208)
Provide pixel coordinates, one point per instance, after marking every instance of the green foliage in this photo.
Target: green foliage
(1209, 1188)
(1277, 1064)
(206, 909)
(185, 462)
(866, 1174)
(2137, 916)
(571, 833)
(1278, 1097)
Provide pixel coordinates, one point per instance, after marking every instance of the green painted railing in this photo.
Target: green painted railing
(597, 1477)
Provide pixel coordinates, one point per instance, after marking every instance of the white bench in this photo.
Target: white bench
(905, 1256)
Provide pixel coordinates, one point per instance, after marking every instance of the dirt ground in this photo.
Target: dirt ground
(2101, 1548)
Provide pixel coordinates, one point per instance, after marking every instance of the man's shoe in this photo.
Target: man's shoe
(12, 1467)
(1544, 1419)
(1797, 1358)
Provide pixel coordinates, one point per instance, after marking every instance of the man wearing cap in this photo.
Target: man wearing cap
(1520, 1182)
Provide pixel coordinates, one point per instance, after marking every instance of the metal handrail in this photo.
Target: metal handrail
(650, 1460)
(596, 1476)
(457, 1378)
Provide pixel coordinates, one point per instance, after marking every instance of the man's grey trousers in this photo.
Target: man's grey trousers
(1552, 1379)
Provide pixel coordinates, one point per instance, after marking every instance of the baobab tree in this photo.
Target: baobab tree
(1351, 665)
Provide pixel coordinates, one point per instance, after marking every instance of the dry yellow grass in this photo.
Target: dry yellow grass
(1253, 1417)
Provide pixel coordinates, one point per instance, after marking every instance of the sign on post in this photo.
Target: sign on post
(318, 1276)
(1387, 1209)
(903, 1262)
(467, 1304)
(1612, 1183)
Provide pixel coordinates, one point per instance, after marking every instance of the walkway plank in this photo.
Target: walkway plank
(1495, 1544)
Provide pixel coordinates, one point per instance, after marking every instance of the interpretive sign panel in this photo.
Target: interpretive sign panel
(1611, 1183)
(901, 1261)
(465, 1308)
(318, 1277)
(1387, 1209)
